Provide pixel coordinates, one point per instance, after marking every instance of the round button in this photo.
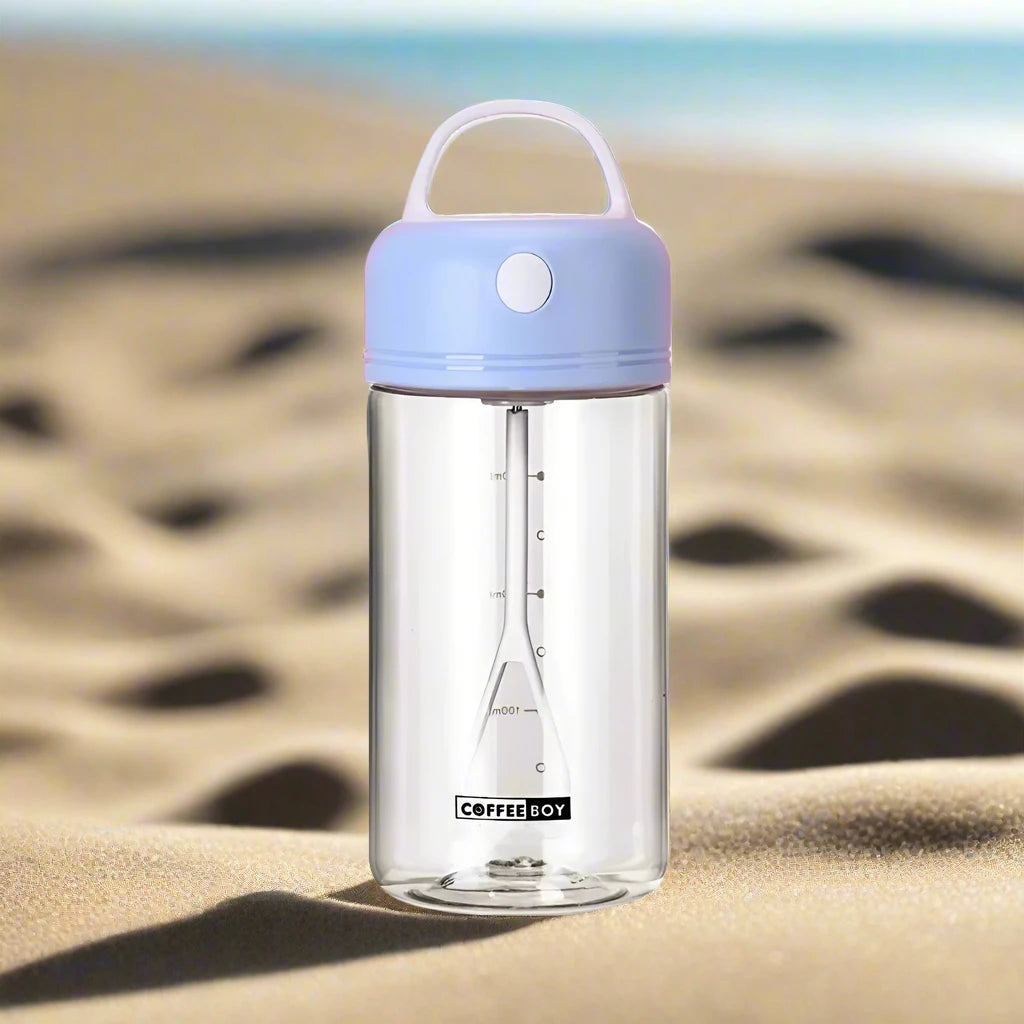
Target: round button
(524, 282)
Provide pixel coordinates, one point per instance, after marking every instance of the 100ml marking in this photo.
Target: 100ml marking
(511, 709)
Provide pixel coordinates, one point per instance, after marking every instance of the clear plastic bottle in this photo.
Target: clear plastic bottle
(518, 552)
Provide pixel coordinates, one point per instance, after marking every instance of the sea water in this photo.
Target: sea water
(941, 105)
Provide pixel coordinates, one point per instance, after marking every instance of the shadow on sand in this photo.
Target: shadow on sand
(258, 933)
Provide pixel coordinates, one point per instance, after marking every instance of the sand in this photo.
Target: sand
(183, 557)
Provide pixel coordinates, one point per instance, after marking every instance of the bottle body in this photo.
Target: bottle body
(518, 649)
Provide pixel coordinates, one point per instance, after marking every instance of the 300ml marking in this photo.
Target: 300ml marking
(530, 808)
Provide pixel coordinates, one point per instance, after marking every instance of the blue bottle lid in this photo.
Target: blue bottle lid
(518, 303)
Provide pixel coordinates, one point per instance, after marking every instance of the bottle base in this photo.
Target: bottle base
(520, 887)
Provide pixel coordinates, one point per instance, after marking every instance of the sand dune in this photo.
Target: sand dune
(183, 557)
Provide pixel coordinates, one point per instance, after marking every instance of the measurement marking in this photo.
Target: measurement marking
(534, 710)
(537, 476)
(536, 593)
(497, 476)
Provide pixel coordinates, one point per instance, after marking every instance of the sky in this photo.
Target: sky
(955, 16)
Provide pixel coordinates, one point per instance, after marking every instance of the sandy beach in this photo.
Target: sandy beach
(183, 623)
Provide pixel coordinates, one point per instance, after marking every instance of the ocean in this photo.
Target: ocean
(943, 106)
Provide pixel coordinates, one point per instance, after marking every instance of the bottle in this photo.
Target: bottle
(517, 425)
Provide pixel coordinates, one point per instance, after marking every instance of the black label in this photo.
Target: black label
(523, 808)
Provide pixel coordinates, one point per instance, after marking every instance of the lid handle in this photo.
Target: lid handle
(416, 205)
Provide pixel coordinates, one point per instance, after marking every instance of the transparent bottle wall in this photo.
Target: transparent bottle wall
(518, 649)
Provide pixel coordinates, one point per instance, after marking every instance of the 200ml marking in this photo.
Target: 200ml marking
(530, 808)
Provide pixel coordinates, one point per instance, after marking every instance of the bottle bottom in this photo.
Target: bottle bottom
(519, 887)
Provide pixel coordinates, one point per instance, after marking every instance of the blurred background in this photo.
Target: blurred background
(188, 193)
(882, 86)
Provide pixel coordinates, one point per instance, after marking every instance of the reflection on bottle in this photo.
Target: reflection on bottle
(517, 750)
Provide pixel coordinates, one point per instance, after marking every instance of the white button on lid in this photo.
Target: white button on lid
(524, 282)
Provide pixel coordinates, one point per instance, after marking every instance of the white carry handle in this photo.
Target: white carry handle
(416, 205)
